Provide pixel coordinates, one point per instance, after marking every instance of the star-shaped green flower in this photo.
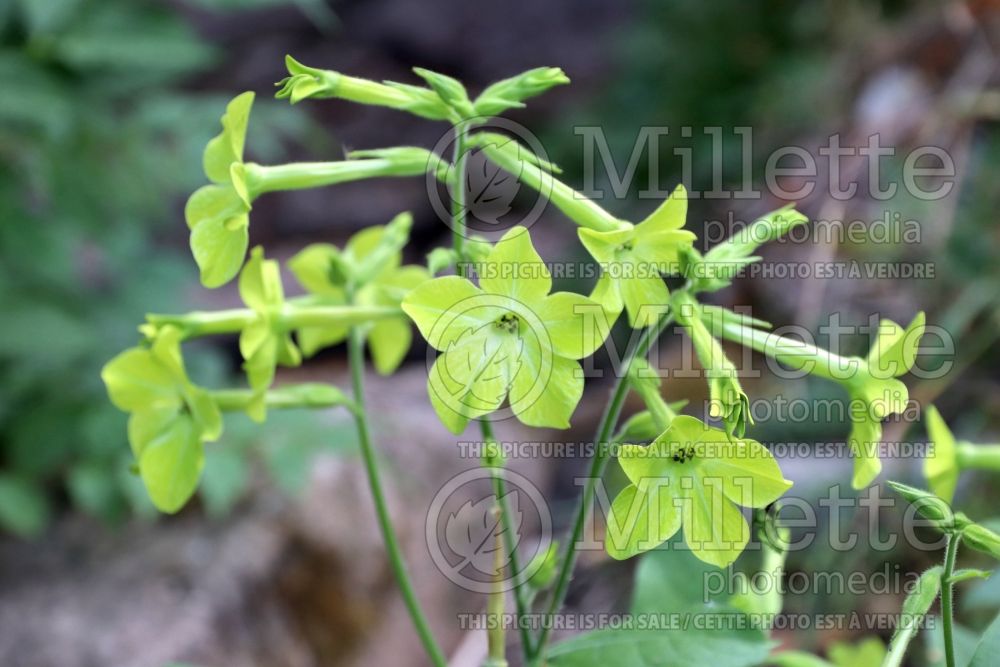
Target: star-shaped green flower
(170, 418)
(264, 343)
(634, 258)
(875, 393)
(693, 476)
(507, 338)
(373, 255)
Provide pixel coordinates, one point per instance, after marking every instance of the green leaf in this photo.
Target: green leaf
(227, 147)
(652, 648)
(869, 652)
(988, 649)
(915, 607)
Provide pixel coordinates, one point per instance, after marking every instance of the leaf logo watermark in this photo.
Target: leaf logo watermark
(463, 530)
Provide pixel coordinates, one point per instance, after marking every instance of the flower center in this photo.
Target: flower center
(508, 322)
(684, 454)
(625, 246)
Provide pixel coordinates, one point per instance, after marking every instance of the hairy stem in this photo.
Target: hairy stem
(596, 472)
(947, 606)
(459, 209)
(496, 635)
(356, 357)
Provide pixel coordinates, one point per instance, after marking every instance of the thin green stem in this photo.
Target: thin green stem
(982, 457)
(459, 209)
(294, 315)
(500, 490)
(496, 634)
(597, 466)
(947, 606)
(289, 397)
(356, 357)
(304, 175)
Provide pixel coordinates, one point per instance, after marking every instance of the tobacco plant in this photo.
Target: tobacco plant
(506, 339)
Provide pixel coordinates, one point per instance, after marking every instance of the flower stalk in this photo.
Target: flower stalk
(293, 315)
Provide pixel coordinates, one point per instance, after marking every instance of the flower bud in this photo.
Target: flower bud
(511, 93)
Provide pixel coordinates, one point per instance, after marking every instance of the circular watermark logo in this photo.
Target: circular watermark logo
(467, 539)
(486, 199)
(495, 348)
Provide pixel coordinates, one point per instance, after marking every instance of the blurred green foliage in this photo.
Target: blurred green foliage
(99, 143)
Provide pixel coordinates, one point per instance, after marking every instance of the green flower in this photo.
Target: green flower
(634, 258)
(170, 418)
(370, 259)
(507, 338)
(693, 476)
(264, 343)
(218, 215)
(875, 393)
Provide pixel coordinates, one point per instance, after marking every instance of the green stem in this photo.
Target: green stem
(947, 607)
(304, 175)
(578, 208)
(356, 355)
(795, 353)
(983, 457)
(496, 635)
(289, 397)
(500, 490)
(597, 466)
(459, 210)
(294, 314)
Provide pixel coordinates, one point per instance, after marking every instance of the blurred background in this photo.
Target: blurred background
(104, 110)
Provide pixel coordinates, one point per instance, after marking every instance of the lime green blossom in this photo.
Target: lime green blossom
(694, 476)
(506, 338)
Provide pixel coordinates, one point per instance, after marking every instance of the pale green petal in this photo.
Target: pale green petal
(389, 341)
(315, 267)
(205, 413)
(219, 246)
(940, 466)
(669, 216)
(514, 269)
(660, 251)
(260, 365)
(364, 244)
(714, 528)
(171, 464)
(645, 300)
(227, 147)
(393, 287)
(149, 423)
(895, 349)
(640, 521)
(446, 308)
(287, 353)
(470, 379)
(546, 389)
(576, 326)
(135, 379)
(864, 439)
(607, 292)
(641, 462)
(260, 282)
(749, 473)
(604, 246)
(214, 202)
(313, 339)
(254, 336)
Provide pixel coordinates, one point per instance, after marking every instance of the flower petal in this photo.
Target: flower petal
(645, 299)
(546, 389)
(171, 464)
(940, 466)
(445, 308)
(136, 379)
(640, 520)
(576, 326)
(714, 528)
(668, 216)
(514, 268)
